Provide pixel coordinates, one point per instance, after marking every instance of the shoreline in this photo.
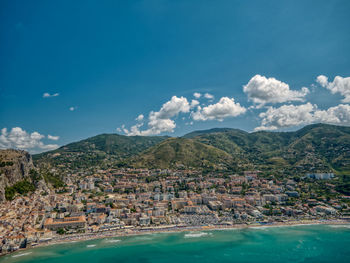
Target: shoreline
(176, 229)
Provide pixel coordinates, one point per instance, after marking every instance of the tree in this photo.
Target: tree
(60, 231)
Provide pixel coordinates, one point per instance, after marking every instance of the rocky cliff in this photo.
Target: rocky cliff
(15, 166)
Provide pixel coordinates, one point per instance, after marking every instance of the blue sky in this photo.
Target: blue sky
(107, 62)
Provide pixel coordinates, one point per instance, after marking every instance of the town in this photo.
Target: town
(122, 201)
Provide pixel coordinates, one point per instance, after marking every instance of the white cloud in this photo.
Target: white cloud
(48, 95)
(160, 121)
(291, 115)
(124, 129)
(134, 130)
(72, 108)
(262, 90)
(197, 95)
(140, 117)
(208, 96)
(334, 115)
(54, 138)
(20, 139)
(194, 103)
(322, 80)
(339, 85)
(173, 107)
(226, 107)
(286, 116)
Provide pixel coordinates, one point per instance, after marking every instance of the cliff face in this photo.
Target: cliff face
(15, 166)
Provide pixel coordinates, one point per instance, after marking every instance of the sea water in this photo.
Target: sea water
(313, 243)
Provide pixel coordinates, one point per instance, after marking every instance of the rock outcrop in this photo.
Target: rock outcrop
(15, 166)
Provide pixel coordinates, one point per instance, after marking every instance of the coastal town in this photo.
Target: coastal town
(125, 201)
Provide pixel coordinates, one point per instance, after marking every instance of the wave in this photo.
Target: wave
(339, 226)
(196, 234)
(259, 227)
(21, 255)
(93, 245)
(282, 226)
(227, 229)
(143, 238)
(112, 240)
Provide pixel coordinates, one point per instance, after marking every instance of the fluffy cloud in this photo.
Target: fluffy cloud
(172, 108)
(339, 85)
(54, 138)
(48, 95)
(194, 103)
(140, 117)
(226, 107)
(197, 95)
(160, 121)
(262, 90)
(72, 108)
(291, 115)
(208, 96)
(20, 139)
(334, 115)
(322, 80)
(286, 116)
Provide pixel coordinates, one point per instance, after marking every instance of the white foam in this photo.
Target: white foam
(227, 229)
(143, 238)
(196, 234)
(93, 245)
(21, 255)
(339, 226)
(113, 240)
(276, 226)
(259, 227)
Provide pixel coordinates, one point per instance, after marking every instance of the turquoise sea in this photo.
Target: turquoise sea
(313, 243)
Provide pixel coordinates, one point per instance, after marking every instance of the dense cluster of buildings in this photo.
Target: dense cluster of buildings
(126, 199)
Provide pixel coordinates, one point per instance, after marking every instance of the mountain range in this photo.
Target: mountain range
(317, 147)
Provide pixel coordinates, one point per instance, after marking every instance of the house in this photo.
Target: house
(67, 222)
(320, 176)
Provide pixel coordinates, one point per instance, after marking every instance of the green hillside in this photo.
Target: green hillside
(181, 152)
(100, 150)
(318, 147)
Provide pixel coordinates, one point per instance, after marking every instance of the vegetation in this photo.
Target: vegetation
(21, 187)
(181, 152)
(318, 147)
(100, 150)
(34, 176)
(315, 148)
(343, 185)
(54, 180)
(3, 164)
(60, 231)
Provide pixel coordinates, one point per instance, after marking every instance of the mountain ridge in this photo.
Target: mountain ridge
(316, 147)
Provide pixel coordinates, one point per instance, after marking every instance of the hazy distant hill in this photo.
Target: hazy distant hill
(316, 147)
